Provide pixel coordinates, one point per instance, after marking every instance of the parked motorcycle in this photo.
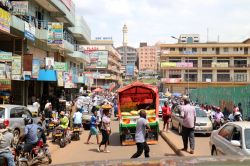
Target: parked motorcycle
(61, 136)
(51, 125)
(76, 132)
(40, 154)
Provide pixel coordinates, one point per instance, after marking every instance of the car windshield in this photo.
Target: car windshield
(200, 113)
(247, 138)
(2, 115)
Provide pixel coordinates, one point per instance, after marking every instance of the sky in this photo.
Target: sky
(154, 21)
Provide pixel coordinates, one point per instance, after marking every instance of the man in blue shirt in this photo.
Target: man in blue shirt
(31, 135)
(77, 118)
(93, 127)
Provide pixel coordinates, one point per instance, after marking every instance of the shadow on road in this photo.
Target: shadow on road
(94, 150)
(114, 139)
(196, 135)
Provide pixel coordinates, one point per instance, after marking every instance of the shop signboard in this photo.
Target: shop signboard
(49, 62)
(35, 68)
(60, 81)
(168, 64)
(20, 7)
(4, 20)
(5, 71)
(89, 48)
(74, 75)
(130, 69)
(29, 31)
(55, 33)
(5, 56)
(184, 64)
(98, 59)
(60, 66)
(220, 64)
(16, 65)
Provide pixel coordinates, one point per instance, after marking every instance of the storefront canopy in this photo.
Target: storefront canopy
(47, 75)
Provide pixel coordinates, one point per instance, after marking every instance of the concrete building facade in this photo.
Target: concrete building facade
(186, 66)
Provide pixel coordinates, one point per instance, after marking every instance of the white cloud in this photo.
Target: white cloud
(154, 20)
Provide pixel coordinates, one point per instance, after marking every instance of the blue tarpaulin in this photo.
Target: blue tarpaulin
(47, 75)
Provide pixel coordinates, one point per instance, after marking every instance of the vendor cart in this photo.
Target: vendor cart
(131, 99)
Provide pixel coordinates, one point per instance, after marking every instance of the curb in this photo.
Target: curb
(171, 144)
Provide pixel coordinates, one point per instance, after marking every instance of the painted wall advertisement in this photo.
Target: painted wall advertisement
(130, 69)
(60, 81)
(16, 69)
(49, 62)
(20, 7)
(4, 20)
(35, 68)
(98, 59)
(60, 66)
(68, 80)
(5, 56)
(29, 31)
(55, 33)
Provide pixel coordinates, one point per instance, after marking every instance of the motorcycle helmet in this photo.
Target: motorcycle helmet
(28, 121)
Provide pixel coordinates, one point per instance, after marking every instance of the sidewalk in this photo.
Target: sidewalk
(174, 140)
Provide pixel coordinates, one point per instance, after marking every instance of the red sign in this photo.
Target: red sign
(171, 80)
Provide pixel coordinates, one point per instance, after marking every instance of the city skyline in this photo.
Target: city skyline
(152, 21)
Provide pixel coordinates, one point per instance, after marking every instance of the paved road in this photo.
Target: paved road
(77, 151)
(201, 143)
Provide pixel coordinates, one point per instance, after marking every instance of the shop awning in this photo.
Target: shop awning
(47, 75)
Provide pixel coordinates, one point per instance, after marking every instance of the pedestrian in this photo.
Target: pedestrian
(188, 114)
(140, 136)
(105, 130)
(166, 115)
(93, 127)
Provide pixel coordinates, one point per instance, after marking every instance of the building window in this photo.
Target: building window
(194, 49)
(212, 49)
(225, 49)
(172, 49)
(223, 76)
(236, 49)
(204, 49)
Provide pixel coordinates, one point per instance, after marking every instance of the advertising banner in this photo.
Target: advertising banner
(60, 66)
(89, 48)
(68, 80)
(5, 56)
(4, 20)
(219, 64)
(130, 69)
(29, 31)
(16, 65)
(35, 68)
(5, 71)
(49, 62)
(184, 64)
(20, 7)
(98, 59)
(55, 33)
(60, 81)
(171, 80)
(168, 64)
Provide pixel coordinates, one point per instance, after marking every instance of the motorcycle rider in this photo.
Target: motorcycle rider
(6, 140)
(64, 122)
(31, 134)
(235, 116)
(77, 118)
(218, 117)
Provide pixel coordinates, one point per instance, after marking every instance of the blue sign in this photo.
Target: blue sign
(29, 31)
(130, 69)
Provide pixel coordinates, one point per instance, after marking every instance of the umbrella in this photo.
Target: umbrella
(98, 90)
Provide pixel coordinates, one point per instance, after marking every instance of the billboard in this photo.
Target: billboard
(130, 69)
(4, 20)
(55, 33)
(184, 64)
(35, 68)
(168, 64)
(49, 62)
(20, 7)
(29, 31)
(60, 66)
(98, 59)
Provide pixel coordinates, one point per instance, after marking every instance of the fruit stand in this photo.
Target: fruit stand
(131, 99)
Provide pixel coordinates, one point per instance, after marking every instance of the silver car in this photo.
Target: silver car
(13, 117)
(233, 138)
(203, 124)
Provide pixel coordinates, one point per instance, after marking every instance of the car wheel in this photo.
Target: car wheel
(179, 129)
(214, 151)
(16, 135)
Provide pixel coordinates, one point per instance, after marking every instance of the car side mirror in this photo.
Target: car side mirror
(236, 143)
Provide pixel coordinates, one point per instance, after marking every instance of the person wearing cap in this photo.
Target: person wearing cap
(140, 135)
(64, 121)
(188, 114)
(6, 140)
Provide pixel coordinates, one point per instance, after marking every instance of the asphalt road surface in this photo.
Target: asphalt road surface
(77, 151)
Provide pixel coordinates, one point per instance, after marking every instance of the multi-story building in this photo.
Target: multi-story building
(37, 34)
(147, 58)
(186, 66)
(105, 64)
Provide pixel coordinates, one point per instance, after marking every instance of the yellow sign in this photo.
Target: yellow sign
(168, 64)
(4, 20)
